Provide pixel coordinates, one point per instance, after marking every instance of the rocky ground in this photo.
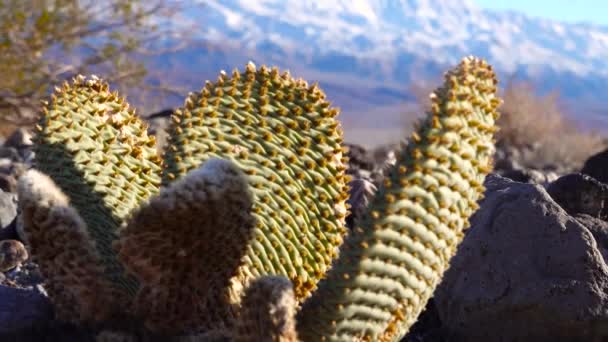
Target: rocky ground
(532, 266)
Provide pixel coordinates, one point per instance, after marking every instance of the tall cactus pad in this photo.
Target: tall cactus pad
(186, 245)
(98, 152)
(284, 134)
(60, 244)
(268, 311)
(391, 263)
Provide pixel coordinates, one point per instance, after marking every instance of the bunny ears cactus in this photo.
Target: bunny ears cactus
(249, 201)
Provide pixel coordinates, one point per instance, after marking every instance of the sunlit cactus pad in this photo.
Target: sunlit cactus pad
(285, 136)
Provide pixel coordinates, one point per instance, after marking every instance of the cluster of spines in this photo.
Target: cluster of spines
(284, 135)
(390, 264)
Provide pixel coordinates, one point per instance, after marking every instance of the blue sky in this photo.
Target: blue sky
(594, 11)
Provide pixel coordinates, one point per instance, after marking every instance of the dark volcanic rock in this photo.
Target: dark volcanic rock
(22, 309)
(359, 158)
(580, 194)
(526, 271)
(597, 166)
(361, 192)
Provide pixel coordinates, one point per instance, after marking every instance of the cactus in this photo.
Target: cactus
(392, 261)
(97, 151)
(188, 247)
(65, 252)
(284, 134)
(185, 246)
(268, 311)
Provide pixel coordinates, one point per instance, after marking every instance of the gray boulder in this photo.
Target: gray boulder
(526, 271)
(8, 208)
(597, 166)
(577, 193)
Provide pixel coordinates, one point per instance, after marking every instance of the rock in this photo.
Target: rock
(157, 126)
(361, 192)
(551, 177)
(506, 165)
(10, 232)
(22, 310)
(6, 165)
(597, 166)
(10, 153)
(526, 271)
(384, 156)
(21, 138)
(517, 176)
(26, 276)
(360, 173)
(580, 194)
(115, 336)
(28, 156)
(8, 183)
(599, 230)
(536, 177)
(358, 158)
(523, 175)
(12, 254)
(8, 208)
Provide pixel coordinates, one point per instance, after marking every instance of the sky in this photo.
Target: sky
(593, 11)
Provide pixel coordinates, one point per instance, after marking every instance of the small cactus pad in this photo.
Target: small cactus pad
(284, 135)
(268, 311)
(99, 154)
(186, 245)
(396, 255)
(59, 242)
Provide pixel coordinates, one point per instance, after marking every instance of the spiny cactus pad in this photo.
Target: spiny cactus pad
(98, 152)
(391, 263)
(64, 252)
(186, 245)
(285, 136)
(268, 311)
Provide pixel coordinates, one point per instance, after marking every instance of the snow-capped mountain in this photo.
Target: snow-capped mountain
(368, 51)
(439, 30)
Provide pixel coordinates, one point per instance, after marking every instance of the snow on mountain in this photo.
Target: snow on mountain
(438, 30)
(365, 53)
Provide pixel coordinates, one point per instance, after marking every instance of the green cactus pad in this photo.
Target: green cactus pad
(284, 135)
(391, 263)
(98, 152)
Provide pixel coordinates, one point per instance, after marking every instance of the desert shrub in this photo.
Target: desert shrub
(539, 124)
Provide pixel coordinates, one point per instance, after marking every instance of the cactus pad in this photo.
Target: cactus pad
(268, 311)
(99, 154)
(64, 252)
(285, 136)
(391, 263)
(186, 245)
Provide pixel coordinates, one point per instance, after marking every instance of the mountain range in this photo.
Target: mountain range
(366, 54)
